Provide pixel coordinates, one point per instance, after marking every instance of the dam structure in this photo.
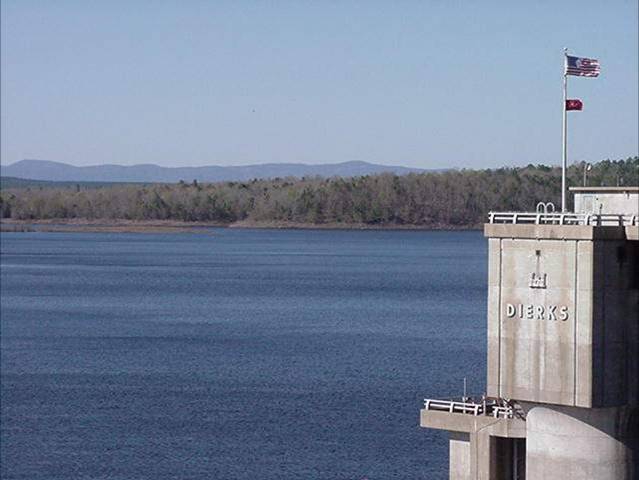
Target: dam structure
(562, 393)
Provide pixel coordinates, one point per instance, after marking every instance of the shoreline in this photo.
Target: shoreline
(171, 226)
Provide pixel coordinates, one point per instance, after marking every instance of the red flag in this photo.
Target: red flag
(574, 105)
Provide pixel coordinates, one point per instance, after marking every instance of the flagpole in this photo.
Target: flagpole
(563, 135)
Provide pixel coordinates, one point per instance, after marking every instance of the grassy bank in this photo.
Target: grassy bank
(168, 226)
(104, 226)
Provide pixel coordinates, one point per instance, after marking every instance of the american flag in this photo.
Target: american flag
(582, 67)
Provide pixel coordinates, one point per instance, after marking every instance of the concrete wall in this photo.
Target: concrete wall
(615, 324)
(537, 325)
(574, 443)
(459, 459)
(466, 423)
(602, 202)
(563, 304)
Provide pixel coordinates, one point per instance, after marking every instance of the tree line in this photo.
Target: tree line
(446, 199)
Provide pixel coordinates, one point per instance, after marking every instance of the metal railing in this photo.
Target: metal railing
(539, 218)
(493, 407)
(454, 406)
(503, 412)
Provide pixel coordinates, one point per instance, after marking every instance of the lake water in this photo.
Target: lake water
(235, 354)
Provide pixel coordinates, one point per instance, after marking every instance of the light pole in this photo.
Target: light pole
(587, 168)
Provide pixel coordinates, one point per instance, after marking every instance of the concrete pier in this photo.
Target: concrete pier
(562, 394)
(566, 443)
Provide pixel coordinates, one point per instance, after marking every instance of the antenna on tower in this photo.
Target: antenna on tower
(464, 398)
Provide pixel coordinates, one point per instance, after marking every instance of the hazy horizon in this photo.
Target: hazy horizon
(305, 163)
(421, 85)
(183, 166)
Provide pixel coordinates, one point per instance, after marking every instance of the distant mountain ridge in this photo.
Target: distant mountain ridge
(62, 172)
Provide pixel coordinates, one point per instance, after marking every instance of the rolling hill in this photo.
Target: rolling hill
(143, 173)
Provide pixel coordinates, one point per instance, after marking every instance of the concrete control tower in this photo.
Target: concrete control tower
(562, 394)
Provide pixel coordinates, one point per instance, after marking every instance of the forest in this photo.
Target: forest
(449, 199)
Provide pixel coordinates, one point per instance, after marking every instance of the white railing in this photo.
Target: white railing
(503, 412)
(454, 406)
(497, 408)
(537, 218)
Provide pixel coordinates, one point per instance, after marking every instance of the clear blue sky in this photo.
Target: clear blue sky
(426, 84)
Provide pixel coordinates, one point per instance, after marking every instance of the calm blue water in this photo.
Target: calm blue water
(239, 354)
